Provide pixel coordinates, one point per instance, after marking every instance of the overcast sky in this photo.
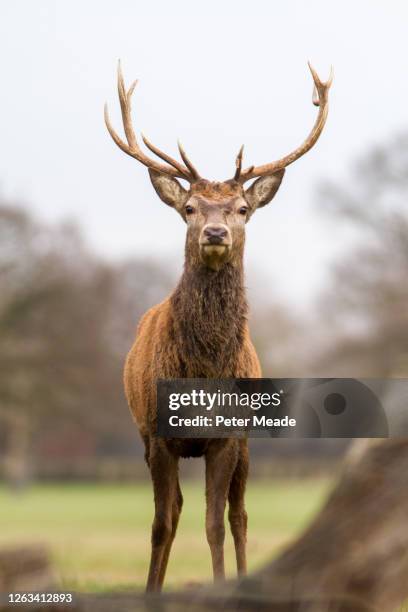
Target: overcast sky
(215, 74)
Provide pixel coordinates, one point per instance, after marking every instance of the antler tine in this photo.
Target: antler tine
(193, 170)
(133, 149)
(125, 99)
(238, 163)
(320, 90)
(164, 156)
(320, 99)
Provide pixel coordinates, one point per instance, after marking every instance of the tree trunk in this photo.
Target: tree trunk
(15, 462)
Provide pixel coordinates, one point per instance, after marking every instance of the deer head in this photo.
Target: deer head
(215, 212)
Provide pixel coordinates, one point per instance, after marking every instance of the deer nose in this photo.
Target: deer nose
(215, 234)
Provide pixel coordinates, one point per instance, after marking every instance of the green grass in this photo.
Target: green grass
(99, 534)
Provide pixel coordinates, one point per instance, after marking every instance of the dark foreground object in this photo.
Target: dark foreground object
(26, 568)
(352, 558)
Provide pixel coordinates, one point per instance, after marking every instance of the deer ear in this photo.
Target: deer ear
(168, 189)
(263, 189)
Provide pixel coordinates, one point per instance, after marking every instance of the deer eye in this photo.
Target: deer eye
(243, 210)
(189, 210)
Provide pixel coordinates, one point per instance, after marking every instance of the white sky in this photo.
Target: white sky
(214, 74)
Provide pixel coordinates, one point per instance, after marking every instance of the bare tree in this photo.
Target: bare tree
(366, 301)
(63, 315)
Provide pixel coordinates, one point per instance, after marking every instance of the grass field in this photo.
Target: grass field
(99, 534)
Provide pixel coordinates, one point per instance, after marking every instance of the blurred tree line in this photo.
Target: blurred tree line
(364, 306)
(67, 319)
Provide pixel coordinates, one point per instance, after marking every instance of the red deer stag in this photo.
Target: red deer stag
(200, 330)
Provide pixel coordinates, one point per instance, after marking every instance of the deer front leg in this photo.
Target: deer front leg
(164, 471)
(221, 460)
(176, 511)
(237, 514)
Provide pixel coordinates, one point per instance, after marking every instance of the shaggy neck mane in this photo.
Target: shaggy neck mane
(210, 312)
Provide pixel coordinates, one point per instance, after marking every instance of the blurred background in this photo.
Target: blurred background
(86, 247)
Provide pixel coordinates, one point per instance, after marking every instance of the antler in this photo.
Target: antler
(320, 99)
(173, 167)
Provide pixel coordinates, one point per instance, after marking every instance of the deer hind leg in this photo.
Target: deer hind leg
(164, 471)
(237, 514)
(221, 460)
(176, 511)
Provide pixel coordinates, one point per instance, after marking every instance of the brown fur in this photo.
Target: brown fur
(199, 331)
(217, 191)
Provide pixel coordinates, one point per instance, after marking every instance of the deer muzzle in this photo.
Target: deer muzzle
(215, 245)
